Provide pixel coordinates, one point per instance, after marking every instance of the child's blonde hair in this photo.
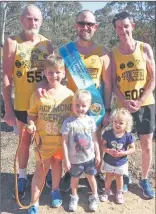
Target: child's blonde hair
(54, 60)
(125, 115)
(83, 94)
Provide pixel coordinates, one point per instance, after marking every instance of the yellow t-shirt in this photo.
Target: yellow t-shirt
(51, 112)
(94, 65)
(132, 75)
(28, 68)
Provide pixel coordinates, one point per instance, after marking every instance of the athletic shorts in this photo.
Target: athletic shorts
(57, 155)
(86, 167)
(21, 116)
(144, 119)
(120, 170)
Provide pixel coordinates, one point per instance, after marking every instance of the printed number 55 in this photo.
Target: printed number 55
(34, 76)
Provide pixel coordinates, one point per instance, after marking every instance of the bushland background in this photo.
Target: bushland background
(58, 21)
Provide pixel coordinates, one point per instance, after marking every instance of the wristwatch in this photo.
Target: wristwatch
(108, 110)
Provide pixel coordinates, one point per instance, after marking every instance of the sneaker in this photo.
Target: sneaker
(56, 198)
(22, 185)
(119, 197)
(125, 188)
(106, 193)
(146, 188)
(33, 210)
(49, 179)
(73, 202)
(100, 181)
(93, 202)
(65, 182)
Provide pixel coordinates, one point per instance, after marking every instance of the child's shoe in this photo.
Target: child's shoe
(56, 198)
(106, 193)
(119, 197)
(73, 202)
(33, 210)
(93, 202)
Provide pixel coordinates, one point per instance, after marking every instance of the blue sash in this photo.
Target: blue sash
(82, 79)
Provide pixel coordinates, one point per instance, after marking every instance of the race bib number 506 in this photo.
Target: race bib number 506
(134, 94)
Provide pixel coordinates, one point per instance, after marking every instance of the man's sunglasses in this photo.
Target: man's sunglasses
(88, 24)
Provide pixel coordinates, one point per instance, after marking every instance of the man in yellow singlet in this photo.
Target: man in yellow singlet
(23, 63)
(97, 60)
(134, 81)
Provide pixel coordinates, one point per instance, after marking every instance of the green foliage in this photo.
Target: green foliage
(144, 16)
(59, 19)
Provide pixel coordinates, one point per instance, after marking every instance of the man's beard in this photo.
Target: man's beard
(85, 38)
(32, 32)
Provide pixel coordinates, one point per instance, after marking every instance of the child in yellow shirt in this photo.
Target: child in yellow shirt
(45, 117)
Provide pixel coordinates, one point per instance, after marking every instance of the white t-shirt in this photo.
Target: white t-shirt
(80, 143)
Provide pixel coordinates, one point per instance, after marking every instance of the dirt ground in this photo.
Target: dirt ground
(134, 200)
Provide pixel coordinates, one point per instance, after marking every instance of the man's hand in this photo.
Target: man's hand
(10, 118)
(31, 128)
(132, 105)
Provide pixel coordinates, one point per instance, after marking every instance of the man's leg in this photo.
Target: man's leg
(23, 155)
(25, 140)
(145, 125)
(146, 158)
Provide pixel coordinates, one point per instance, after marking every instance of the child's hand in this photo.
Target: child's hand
(40, 92)
(112, 152)
(31, 129)
(67, 165)
(120, 153)
(97, 160)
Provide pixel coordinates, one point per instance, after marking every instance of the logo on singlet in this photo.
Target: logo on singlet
(17, 64)
(21, 54)
(18, 74)
(130, 64)
(45, 55)
(34, 57)
(122, 66)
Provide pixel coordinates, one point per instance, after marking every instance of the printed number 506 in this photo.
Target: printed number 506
(134, 94)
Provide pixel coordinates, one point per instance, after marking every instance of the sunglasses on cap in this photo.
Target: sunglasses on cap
(88, 24)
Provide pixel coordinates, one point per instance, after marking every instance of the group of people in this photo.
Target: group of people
(58, 114)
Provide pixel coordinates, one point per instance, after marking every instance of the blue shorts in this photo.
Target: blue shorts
(86, 167)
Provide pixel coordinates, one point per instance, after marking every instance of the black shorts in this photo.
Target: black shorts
(144, 119)
(21, 116)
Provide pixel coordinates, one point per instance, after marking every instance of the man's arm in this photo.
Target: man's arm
(8, 66)
(150, 66)
(107, 79)
(106, 75)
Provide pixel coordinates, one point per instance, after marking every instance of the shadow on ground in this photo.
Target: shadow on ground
(5, 127)
(9, 205)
